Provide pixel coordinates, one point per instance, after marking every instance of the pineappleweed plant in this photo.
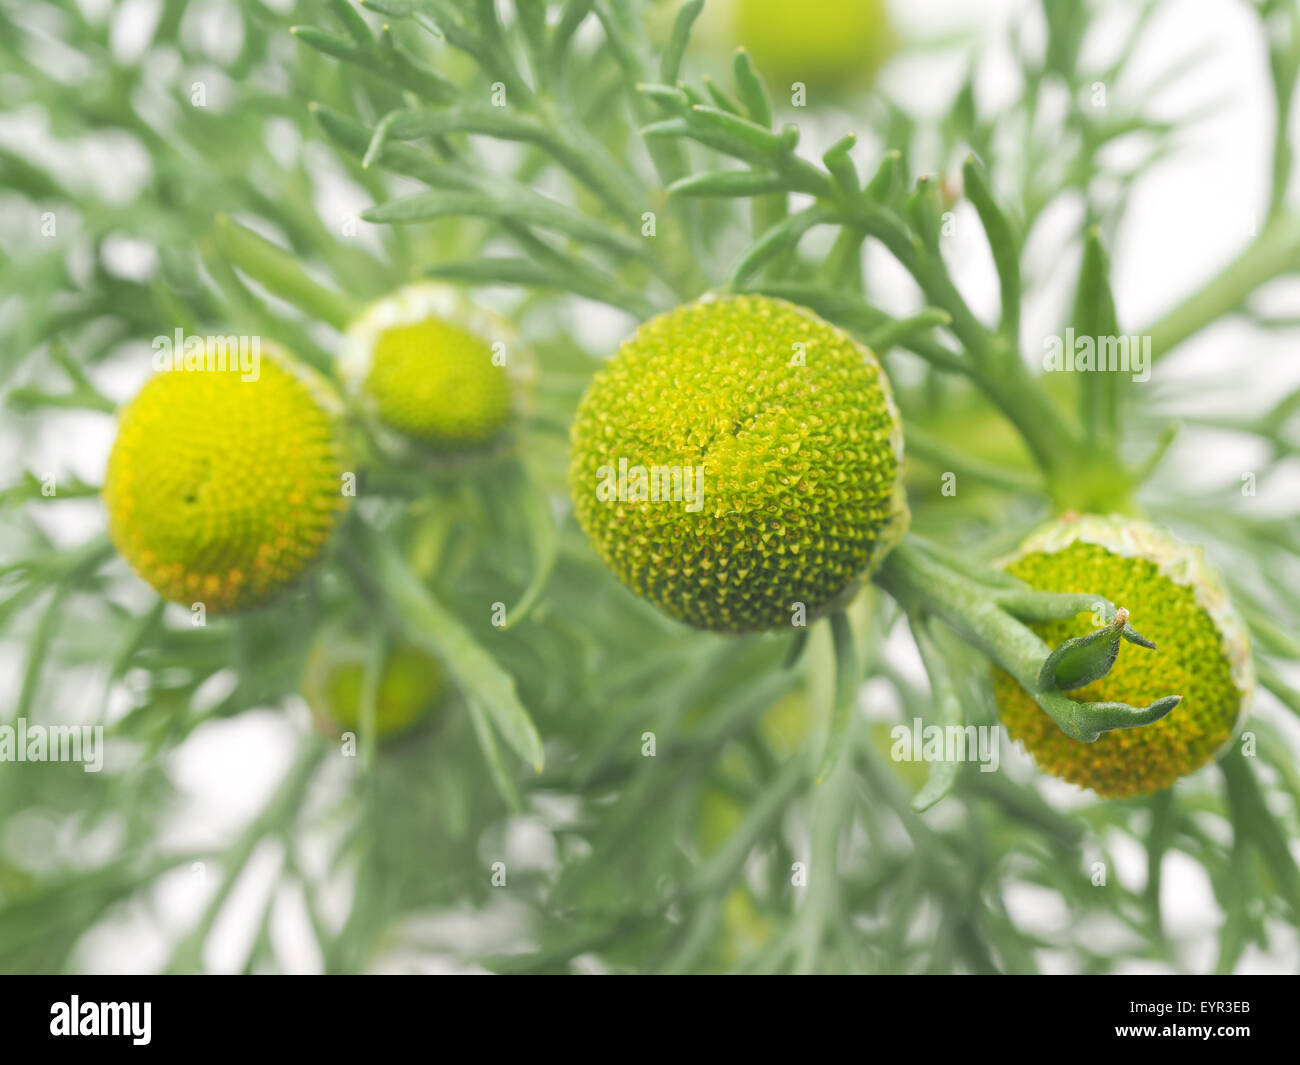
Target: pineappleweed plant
(701, 777)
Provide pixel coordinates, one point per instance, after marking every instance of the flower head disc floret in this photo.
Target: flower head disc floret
(1202, 652)
(223, 489)
(421, 368)
(737, 463)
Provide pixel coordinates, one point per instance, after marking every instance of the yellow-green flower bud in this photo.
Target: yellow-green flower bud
(421, 366)
(1202, 653)
(410, 686)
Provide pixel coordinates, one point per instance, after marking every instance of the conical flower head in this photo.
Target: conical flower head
(421, 365)
(1202, 653)
(224, 485)
(737, 463)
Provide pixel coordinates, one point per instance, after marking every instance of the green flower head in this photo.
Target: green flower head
(422, 368)
(1202, 653)
(222, 487)
(410, 686)
(737, 463)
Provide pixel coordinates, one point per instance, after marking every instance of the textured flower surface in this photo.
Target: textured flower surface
(223, 490)
(425, 376)
(1202, 653)
(410, 685)
(782, 436)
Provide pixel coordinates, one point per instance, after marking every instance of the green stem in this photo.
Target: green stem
(723, 867)
(281, 274)
(831, 806)
(29, 399)
(847, 678)
(1275, 251)
(922, 583)
(381, 571)
(934, 450)
(949, 712)
(1253, 820)
(1028, 407)
(277, 817)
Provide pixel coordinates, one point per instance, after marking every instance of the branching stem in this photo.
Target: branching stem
(922, 583)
